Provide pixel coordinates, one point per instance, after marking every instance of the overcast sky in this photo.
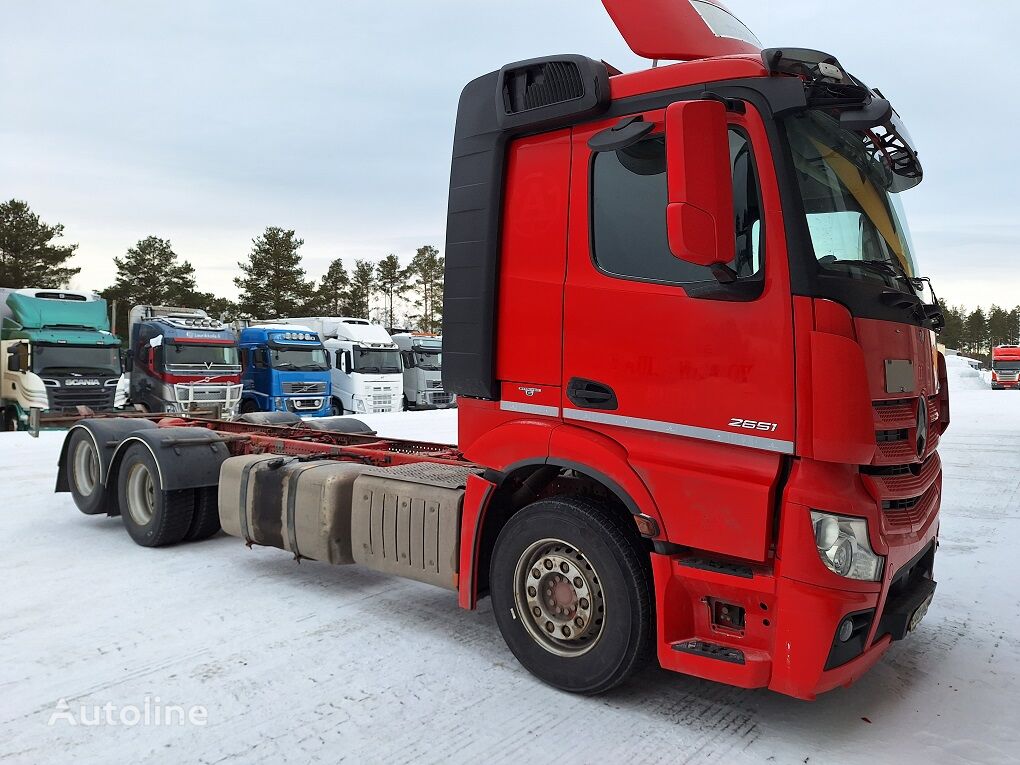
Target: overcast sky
(205, 122)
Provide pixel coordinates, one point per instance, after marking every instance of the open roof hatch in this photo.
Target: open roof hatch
(681, 30)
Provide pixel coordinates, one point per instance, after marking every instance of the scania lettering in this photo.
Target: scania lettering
(606, 492)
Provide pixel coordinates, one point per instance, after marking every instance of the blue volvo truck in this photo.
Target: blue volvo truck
(284, 368)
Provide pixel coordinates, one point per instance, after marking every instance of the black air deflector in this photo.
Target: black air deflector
(519, 99)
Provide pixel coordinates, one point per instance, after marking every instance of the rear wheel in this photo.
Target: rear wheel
(152, 517)
(82, 470)
(570, 594)
(206, 520)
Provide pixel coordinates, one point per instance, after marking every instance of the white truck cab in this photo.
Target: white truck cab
(421, 355)
(366, 375)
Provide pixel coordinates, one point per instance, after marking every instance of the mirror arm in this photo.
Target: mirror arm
(723, 273)
(734, 105)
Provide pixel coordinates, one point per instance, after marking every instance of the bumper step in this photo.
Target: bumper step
(710, 650)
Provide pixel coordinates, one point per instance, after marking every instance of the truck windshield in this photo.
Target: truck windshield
(1006, 366)
(68, 359)
(428, 360)
(857, 226)
(206, 356)
(375, 360)
(298, 359)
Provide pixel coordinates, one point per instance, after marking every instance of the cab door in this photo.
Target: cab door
(692, 377)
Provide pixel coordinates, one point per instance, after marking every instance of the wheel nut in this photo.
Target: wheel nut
(579, 622)
(583, 602)
(578, 582)
(536, 573)
(566, 631)
(536, 611)
(532, 592)
(549, 627)
(548, 564)
(564, 568)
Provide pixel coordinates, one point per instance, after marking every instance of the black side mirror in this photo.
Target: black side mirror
(13, 362)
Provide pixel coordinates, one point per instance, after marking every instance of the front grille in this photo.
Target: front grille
(886, 436)
(906, 513)
(68, 399)
(207, 395)
(434, 384)
(299, 388)
(439, 399)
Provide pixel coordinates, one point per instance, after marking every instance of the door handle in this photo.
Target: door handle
(589, 394)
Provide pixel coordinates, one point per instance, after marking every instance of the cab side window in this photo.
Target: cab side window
(628, 214)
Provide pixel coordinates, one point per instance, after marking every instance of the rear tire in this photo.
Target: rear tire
(206, 520)
(82, 470)
(152, 517)
(585, 622)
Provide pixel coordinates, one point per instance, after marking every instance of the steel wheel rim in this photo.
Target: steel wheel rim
(141, 494)
(86, 468)
(559, 598)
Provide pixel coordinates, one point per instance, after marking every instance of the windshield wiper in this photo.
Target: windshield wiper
(286, 366)
(374, 370)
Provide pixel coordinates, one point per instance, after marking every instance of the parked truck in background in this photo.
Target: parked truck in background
(56, 354)
(284, 368)
(764, 519)
(181, 360)
(366, 375)
(1006, 367)
(421, 358)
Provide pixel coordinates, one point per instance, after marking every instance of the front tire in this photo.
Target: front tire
(571, 596)
(152, 517)
(336, 408)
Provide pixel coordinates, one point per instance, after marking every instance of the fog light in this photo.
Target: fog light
(846, 630)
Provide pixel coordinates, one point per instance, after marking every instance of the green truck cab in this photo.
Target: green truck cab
(56, 354)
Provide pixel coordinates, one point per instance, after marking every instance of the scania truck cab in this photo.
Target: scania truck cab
(1006, 367)
(57, 355)
(367, 378)
(284, 369)
(421, 357)
(755, 491)
(182, 361)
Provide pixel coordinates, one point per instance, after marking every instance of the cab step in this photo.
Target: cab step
(710, 650)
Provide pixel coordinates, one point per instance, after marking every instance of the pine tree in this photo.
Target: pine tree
(273, 282)
(952, 334)
(29, 256)
(331, 296)
(427, 271)
(391, 282)
(151, 274)
(976, 331)
(999, 326)
(360, 289)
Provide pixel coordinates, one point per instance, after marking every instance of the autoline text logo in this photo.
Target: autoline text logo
(151, 713)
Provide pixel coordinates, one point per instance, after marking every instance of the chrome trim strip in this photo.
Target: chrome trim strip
(517, 406)
(676, 429)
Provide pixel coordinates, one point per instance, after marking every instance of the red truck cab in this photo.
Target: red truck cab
(1006, 367)
(774, 438)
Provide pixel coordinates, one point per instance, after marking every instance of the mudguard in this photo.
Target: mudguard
(107, 433)
(187, 458)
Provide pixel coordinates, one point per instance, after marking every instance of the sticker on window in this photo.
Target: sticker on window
(723, 23)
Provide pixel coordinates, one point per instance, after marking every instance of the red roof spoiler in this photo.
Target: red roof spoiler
(681, 30)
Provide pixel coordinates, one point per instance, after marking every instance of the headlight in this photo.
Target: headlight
(280, 405)
(844, 547)
(359, 405)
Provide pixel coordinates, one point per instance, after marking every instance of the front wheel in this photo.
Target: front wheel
(571, 595)
(336, 409)
(153, 517)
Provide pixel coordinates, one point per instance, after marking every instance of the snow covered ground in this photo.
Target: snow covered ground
(301, 662)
